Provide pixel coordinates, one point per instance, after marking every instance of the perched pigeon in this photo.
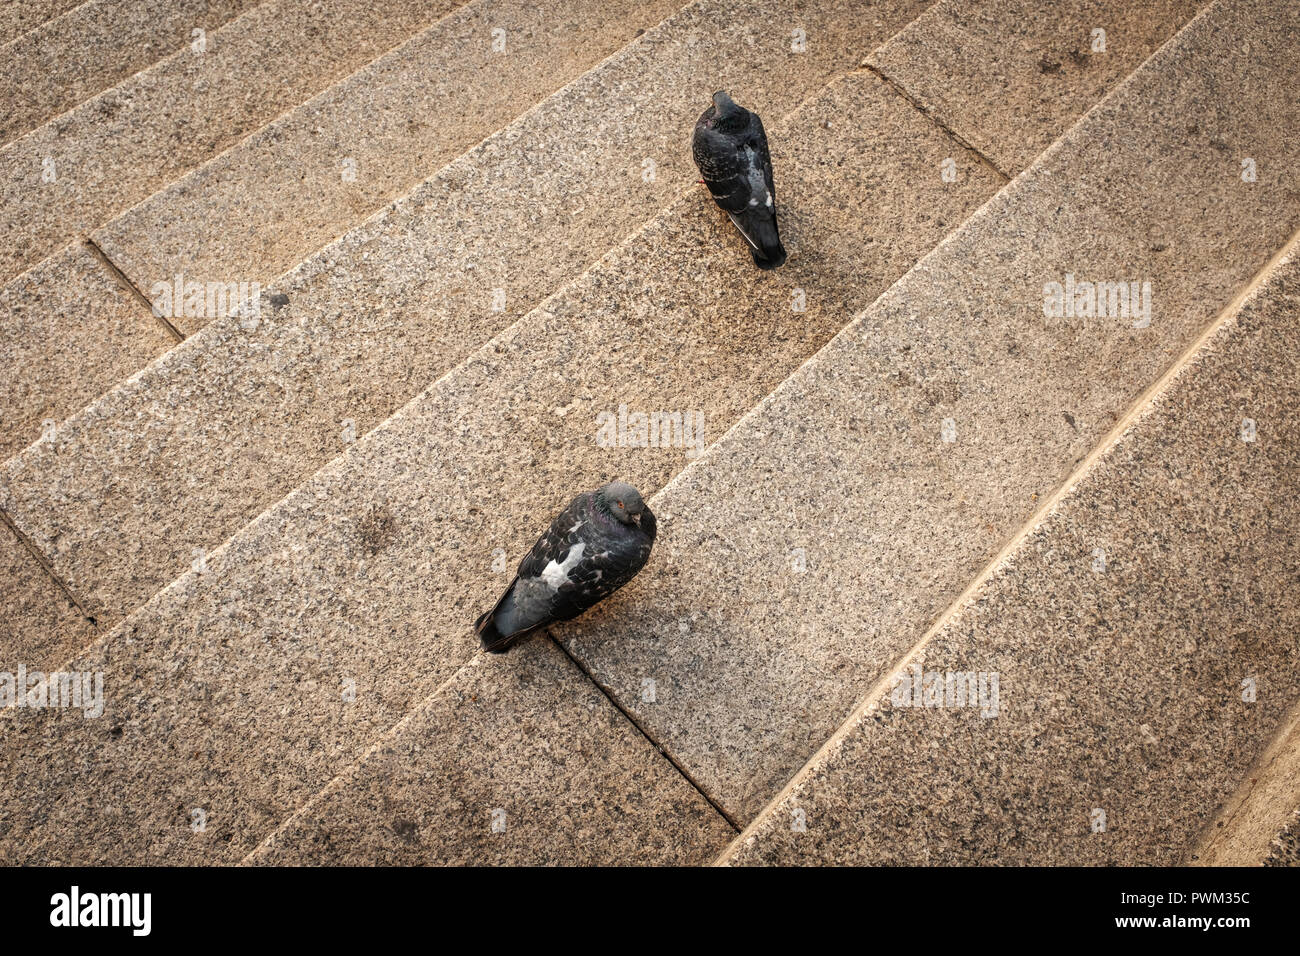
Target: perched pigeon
(592, 549)
(730, 148)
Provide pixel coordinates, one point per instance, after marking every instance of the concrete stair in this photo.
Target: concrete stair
(280, 194)
(1135, 691)
(310, 690)
(92, 46)
(372, 319)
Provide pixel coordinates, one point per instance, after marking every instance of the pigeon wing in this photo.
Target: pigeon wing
(609, 561)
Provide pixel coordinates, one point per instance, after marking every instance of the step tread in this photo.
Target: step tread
(282, 192)
(53, 356)
(1045, 66)
(125, 143)
(186, 452)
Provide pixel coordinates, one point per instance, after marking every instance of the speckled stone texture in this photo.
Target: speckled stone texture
(387, 554)
(1250, 824)
(1040, 59)
(1134, 695)
(18, 17)
(282, 194)
(526, 735)
(847, 460)
(185, 453)
(1286, 846)
(115, 149)
(39, 626)
(69, 331)
(68, 60)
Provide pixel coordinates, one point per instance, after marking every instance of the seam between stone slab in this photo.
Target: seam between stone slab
(341, 780)
(1056, 144)
(122, 279)
(40, 559)
(1217, 844)
(631, 719)
(921, 108)
(1139, 410)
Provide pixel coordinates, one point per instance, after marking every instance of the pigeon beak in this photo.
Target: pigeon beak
(636, 519)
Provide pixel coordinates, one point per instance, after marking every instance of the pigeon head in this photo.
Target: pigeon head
(729, 116)
(622, 501)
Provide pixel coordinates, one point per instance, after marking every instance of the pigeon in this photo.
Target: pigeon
(730, 148)
(596, 545)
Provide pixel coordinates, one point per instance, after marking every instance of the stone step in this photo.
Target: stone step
(41, 627)
(1258, 824)
(272, 199)
(183, 454)
(1142, 631)
(529, 738)
(285, 192)
(820, 539)
(67, 60)
(19, 17)
(340, 579)
(69, 330)
(1050, 68)
(75, 172)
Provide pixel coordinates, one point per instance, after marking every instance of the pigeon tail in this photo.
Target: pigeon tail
(764, 240)
(494, 642)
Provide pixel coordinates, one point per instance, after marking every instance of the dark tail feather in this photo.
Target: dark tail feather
(764, 240)
(494, 642)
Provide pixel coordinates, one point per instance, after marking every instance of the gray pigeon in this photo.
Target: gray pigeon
(730, 148)
(592, 549)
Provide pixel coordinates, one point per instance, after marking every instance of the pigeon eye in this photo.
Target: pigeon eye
(620, 504)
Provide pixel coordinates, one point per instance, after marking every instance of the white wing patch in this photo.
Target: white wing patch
(557, 575)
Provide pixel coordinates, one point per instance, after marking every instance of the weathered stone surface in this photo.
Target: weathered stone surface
(18, 17)
(847, 461)
(185, 453)
(530, 738)
(75, 172)
(68, 332)
(1257, 824)
(387, 554)
(1041, 63)
(1144, 638)
(66, 61)
(39, 625)
(320, 169)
